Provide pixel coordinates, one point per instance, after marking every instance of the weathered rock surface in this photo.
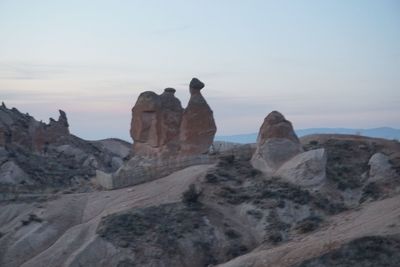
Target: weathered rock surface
(160, 127)
(36, 157)
(141, 169)
(155, 123)
(12, 174)
(276, 143)
(380, 168)
(22, 129)
(166, 136)
(307, 169)
(198, 126)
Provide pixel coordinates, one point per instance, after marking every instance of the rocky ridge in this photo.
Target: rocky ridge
(285, 202)
(37, 158)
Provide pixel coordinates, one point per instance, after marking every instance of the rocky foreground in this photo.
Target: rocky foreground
(322, 200)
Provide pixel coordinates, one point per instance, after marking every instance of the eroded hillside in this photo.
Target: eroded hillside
(323, 200)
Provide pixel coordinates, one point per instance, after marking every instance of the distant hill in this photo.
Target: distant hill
(382, 132)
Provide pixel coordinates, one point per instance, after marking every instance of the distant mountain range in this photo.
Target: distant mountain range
(382, 132)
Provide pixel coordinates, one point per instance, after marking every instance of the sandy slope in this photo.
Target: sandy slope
(377, 218)
(66, 236)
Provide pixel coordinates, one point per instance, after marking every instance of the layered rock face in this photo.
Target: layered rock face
(276, 143)
(160, 127)
(22, 129)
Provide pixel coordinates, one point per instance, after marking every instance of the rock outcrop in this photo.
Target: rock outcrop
(276, 143)
(307, 169)
(155, 123)
(166, 137)
(198, 126)
(160, 127)
(380, 168)
(23, 130)
(35, 156)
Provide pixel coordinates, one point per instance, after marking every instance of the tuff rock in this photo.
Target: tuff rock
(276, 143)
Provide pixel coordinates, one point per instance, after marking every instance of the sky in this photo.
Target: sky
(321, 63)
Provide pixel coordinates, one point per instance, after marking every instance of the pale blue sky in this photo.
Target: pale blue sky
(321, 63)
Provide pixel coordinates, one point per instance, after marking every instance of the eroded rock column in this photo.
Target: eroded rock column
(198, 126)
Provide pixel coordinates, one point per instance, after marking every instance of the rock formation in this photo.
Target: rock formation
(198, 126)
(24, 130)
(380, 168)
(307, 169)
(166, 137)
(276, 143)
(35, 155)
(160, 127)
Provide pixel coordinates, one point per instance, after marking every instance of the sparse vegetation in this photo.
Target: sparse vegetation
(275, 237)
(363, 252)
(370, 191)
(327, 205)
(232, 234)
(255, 213)
(190, 197)
(275, 227)
(309, 224)
(236, 250)
(347, 160)
(162, 225)
(171, 229)
(126, 263)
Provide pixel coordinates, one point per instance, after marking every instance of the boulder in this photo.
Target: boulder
(12, 174)
(276, 143)
(307, 169)
(380, 168)
(116, 147)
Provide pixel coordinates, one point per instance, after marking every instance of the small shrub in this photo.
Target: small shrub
(275, 237)
(191, 195)
(232, 234)
(236, 250)
(324, 204)
(211, 178)
(309, 224)
(126, 263)
(228, 159)
(255, 213)
(371, 191)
